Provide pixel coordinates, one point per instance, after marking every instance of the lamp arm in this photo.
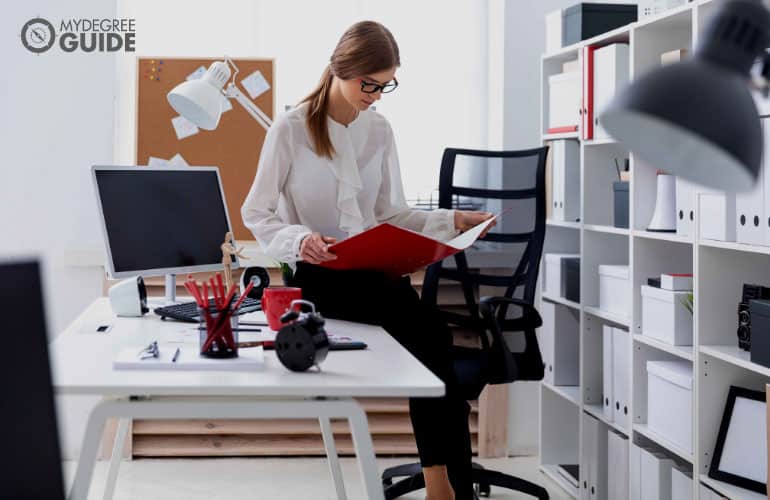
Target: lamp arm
(256, 113)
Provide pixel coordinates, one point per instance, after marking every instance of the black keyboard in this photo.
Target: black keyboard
(188, 311)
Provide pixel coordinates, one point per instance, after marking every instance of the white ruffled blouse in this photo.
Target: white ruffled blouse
(296, 192)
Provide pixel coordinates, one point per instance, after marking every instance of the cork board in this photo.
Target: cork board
(234, 146)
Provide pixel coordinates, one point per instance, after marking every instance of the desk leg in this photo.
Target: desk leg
(362, 441)
(89, 451)
(331, 454)
(117, 455)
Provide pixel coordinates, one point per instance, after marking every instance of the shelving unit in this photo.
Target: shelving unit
(720, 269)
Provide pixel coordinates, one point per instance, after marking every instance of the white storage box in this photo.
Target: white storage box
(564, 96)
(560, 343)
(553, 31)
(669, 401)
(717, 216)
(665, 317)
(681, 485)
(553, 276)
(614, 290)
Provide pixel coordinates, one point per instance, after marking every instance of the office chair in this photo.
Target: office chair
(496, 362)
(30, 460)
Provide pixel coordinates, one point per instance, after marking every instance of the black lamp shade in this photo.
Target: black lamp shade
(696, 119)
(693, 119)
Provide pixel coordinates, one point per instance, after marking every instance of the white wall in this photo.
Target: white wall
(56, 121)
(443, 77)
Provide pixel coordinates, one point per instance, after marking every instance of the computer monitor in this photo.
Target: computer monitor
(31, 459)
(162, 220)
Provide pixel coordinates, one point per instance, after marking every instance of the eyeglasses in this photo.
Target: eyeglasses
(371, 88)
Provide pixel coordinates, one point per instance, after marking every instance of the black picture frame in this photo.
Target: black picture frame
(714, 470)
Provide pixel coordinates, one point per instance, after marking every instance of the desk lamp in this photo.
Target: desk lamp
(200, 101)
(697, 119)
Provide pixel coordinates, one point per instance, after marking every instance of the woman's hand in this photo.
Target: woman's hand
(314, 248)
(465, 220)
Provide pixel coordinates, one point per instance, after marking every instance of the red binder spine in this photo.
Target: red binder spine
(587, 112)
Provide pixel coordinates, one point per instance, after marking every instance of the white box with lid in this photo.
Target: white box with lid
(665, 316)
(669, 401)
(614, 290)
(553, 277)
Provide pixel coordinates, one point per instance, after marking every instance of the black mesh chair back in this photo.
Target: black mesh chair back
(519, 234)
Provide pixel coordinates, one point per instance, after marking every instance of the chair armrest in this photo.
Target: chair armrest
(489, 304)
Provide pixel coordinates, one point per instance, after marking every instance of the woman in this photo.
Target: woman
(329, 170)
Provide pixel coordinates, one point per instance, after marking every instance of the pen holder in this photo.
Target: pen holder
(218, 334)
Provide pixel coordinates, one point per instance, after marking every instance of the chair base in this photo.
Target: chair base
(483, 479)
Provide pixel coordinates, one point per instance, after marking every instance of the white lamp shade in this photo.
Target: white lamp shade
(198, 101)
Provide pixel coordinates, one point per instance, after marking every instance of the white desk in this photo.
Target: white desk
(82, 364)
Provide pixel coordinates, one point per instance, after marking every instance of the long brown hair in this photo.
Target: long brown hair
(366, 47)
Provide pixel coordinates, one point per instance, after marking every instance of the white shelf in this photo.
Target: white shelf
(597, 412)
(569, 392)
(565, 135)
(684, 352)
(552, 472)
(562, 301)
(562, 223)
(735, 356)
(740, 247)
(673, 237)
(663, 442)
(596, 228)
(600, 313)
(599, 142)
(732, 492)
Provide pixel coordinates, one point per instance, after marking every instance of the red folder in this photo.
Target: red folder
(395, 250)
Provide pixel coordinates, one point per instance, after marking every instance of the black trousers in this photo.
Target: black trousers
(440, 424)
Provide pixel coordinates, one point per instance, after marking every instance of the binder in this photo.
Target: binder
(566, 180)
(617, 466)
(621, 352)
(547, 333)
(656, 475)
(587, 110)
(598, 471)
(607, 394)
(561, 344)
(750, 208)
(685, 211)
(635, 477)
(397, 251)
(590, 433)
(765, 180)
(611, 71)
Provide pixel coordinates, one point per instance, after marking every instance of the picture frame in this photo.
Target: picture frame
(740, 453)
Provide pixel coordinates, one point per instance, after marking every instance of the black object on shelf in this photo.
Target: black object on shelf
(760, 332)
(750, 292)
(653, 282)
(586, 20)
(620, 203)
(570, 278)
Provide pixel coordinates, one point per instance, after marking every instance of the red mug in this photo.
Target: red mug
(276, 301)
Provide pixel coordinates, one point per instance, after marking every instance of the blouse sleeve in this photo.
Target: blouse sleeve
(391, 204)
(259, 211)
